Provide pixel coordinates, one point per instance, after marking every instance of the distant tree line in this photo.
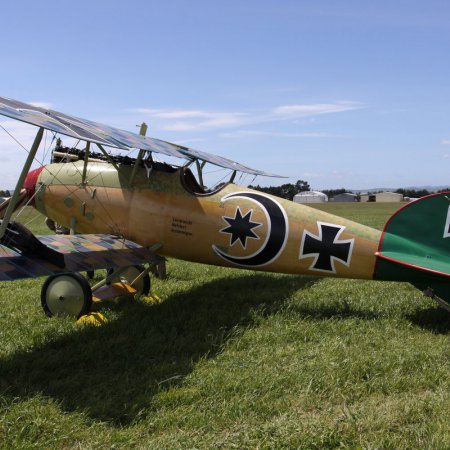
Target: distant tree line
(286, 191)
(332, 192)
(417, 193)
(414, 193)
(5, 193)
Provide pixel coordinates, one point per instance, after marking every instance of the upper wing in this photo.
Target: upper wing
(81, 252)
(105, 135)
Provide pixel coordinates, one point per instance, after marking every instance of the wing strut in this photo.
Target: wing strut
(200, 174)
(109, 159)
(86, 159)
(142, 132)
(21, 180)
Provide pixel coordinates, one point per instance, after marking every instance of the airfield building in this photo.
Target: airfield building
(382, 197)
(345, 197)
(310, 197)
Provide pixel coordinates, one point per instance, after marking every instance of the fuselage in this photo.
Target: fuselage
(233, 226)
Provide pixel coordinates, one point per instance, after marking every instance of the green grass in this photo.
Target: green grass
(231, 359)
(370, 214)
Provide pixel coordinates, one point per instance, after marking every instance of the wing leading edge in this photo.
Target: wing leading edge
(97, 133)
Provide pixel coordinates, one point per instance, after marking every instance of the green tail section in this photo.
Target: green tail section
(415, 245)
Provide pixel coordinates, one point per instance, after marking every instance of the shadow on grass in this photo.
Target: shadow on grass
(336, 310)
(435, 319)
(113, 372)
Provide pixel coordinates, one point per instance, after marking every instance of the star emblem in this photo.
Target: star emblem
(240, 227)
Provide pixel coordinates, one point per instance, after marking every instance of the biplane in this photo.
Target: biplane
(126, 214)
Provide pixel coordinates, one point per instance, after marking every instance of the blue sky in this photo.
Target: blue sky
(351, 94)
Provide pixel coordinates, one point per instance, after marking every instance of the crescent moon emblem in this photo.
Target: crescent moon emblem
(277, 232)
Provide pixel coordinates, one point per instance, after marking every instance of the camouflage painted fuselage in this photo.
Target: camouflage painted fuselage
(234, 226)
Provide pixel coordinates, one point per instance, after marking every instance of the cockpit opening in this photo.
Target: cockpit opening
(194, 183)
(193, 180)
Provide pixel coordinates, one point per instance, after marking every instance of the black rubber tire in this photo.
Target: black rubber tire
(68, 295)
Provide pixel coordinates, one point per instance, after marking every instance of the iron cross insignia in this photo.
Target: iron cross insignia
(326, 248)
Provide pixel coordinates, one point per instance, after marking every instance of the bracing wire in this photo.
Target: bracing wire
(113, 224)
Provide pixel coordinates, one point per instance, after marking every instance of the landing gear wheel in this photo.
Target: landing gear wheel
(128, 275)
(67, 295)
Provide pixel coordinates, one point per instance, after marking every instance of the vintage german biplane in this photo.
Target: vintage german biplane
(125, 214)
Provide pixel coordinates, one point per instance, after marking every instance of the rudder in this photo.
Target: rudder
(415, 245)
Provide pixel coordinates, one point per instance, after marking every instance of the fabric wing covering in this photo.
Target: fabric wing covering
(97, 133)
(81, 252)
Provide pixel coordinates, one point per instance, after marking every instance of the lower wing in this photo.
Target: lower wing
(64, 253)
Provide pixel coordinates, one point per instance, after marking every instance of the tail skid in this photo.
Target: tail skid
(430, 293)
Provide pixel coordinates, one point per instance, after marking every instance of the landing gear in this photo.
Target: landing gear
(70, 294)
(429, 292)
(66, 295)
(136, 276)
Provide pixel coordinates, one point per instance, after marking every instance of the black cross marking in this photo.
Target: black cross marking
(326, 248)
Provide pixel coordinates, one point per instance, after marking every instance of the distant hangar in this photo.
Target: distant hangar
(346, 197)
(320, 197)
(310, 197)
(382, 197)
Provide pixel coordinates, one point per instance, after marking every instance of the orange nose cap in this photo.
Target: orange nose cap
(31, 180)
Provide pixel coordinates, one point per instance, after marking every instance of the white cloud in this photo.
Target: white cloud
(315, 109)
(445, 141)
(200, 120)
(257, 133)
(192, 120)
(174, 114)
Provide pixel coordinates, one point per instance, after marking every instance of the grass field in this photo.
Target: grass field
(231, 359)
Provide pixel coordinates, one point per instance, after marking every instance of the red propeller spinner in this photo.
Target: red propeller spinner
(31, 180)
